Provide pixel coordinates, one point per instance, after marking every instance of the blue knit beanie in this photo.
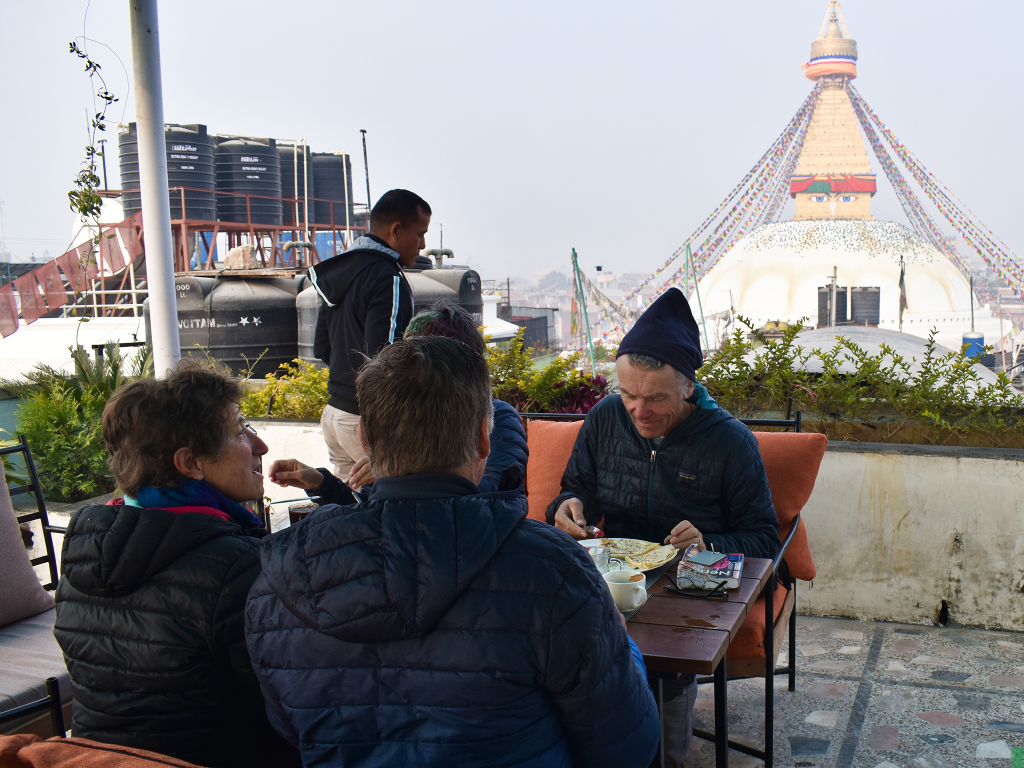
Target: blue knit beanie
(667, 332)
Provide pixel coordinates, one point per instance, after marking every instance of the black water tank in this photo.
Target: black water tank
(290, 157)
(193, 315)
(189, 164)
(823, 308)
(466, 285)
(865, 305)
(426, 291)
(248, 317)
(248, 167)
(332, 170)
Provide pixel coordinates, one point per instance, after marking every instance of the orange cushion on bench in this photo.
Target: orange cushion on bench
(748, 641)
(791, 461)
(551, 444)
(26, 750)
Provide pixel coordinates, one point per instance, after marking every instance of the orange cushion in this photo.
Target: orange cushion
(748, 641)
(26, 750)
(551, 444)
(791, 461)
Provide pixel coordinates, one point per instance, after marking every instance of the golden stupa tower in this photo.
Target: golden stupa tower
(833, 179)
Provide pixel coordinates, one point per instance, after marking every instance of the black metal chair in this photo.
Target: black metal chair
(50, 703)
(33, 487)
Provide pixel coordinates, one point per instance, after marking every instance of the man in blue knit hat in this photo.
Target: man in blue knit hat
(662, 462)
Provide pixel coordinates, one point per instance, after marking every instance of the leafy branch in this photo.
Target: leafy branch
(856, 395)
(84, 199)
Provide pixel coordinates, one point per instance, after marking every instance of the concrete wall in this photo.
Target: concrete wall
(897, 530)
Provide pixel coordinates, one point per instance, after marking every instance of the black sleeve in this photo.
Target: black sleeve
(747, 504)
(332, 490)
(322, 338)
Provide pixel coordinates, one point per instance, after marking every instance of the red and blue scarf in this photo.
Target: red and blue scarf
(194, 496)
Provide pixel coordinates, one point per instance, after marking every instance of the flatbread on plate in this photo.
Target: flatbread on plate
(653, 558)
(627, 547)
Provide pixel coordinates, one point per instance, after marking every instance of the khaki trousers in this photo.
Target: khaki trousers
(341, 433)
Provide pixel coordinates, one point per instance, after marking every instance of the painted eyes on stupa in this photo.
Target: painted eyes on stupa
(825, 198)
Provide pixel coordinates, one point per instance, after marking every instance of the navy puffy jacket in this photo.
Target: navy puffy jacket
(434, 626)
(708, 470)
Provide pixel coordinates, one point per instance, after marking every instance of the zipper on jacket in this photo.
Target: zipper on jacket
(650, 493)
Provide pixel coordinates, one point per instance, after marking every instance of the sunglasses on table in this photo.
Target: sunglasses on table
(717, 592)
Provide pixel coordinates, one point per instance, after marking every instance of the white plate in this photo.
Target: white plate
(588, 543)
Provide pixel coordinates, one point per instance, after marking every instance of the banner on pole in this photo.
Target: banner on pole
(129, 230)
(8, 311)
(110, 250)
(32, 305)
(71, 266)
(53, 287)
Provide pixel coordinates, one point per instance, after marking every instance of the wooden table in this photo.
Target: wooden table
(686, 635)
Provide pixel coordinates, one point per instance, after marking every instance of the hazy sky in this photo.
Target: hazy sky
(530, 127)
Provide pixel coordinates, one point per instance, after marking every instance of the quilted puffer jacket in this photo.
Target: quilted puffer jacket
(150, 620)
(435, 626)
(708, 471)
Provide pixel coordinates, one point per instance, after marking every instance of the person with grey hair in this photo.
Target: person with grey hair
(434, 625)
(662, 462)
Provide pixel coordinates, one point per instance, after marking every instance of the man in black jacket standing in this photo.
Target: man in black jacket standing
(367, 302)
(662, 462)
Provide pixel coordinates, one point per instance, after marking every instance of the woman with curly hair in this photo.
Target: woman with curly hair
(153, 586)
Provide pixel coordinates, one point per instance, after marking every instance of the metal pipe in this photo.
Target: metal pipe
(156, 209)
(348, 224)
(305, 187)
(295, 181)
(366, 166)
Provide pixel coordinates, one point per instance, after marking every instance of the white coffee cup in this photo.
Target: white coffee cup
(628, 592)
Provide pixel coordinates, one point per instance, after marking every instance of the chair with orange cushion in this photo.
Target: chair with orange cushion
(791, 461)
(551, 443)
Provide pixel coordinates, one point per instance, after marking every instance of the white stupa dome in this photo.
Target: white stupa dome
(775, 271)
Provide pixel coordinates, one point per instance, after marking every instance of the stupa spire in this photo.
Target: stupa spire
(834, 52)
(833, 179)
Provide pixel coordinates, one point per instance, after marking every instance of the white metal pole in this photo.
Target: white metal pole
(156, 209)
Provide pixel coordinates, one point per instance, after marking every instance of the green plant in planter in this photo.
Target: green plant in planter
(861, 396)
(298, 391)
(558, 388)
(60, 416)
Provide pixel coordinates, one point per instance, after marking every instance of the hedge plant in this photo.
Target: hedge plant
(60, 416)
(944, 402)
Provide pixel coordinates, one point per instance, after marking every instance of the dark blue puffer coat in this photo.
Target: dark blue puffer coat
(708, 470)
(508, 446)
(435, 626)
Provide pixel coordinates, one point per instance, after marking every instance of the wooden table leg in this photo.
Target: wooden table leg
(721, 716)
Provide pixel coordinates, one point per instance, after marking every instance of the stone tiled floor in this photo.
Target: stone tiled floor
(872, 695)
